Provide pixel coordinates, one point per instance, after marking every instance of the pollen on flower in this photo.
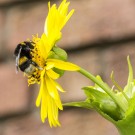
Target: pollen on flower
(38, 59)
(34, 78)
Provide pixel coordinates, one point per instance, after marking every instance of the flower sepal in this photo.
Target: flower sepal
(103, 103)
(60, 54)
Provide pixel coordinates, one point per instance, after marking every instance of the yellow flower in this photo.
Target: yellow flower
(48, 97)
(55, 21)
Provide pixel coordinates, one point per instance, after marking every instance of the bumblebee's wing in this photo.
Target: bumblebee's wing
(17, 60)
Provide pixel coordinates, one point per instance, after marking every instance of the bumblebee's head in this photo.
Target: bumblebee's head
(23, 49)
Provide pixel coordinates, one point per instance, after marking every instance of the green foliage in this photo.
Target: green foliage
(103, 103)
(83, 104)
(118, 106)
(58, 53)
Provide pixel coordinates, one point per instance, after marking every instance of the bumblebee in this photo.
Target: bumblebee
(24, 59)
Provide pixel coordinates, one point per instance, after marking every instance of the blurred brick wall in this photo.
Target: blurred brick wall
(98, 37)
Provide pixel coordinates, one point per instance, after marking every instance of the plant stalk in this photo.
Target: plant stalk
(105, 87)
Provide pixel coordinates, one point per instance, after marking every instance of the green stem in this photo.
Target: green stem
(105, 88)
(127, 125)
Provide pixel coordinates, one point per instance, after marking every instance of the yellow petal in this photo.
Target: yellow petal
(49, 66)
(68, 17)
(55, 21)
(50, 20)
(53, 114)
(63, 65)
(41, 91)
(38, 100)
(43, 47)
(51, 88)
(63, 9)
(59, 87)
(42, 99)
(52, 74)
(44, 106)
(62, 5)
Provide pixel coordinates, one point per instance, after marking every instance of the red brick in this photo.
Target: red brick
(115, 58)
(34, 90)
(23, 21)
(92, 21)
(2, 35)
(75, 122)
(85, 122)
(1, 20)
(14, 95)
(6, 1)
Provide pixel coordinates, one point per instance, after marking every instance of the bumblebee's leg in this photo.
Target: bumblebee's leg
(32, 62)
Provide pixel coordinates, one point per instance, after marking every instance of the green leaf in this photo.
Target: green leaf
(103, 103)
(91, 92)
(84, 104)
(129, 87)
(60, 54)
